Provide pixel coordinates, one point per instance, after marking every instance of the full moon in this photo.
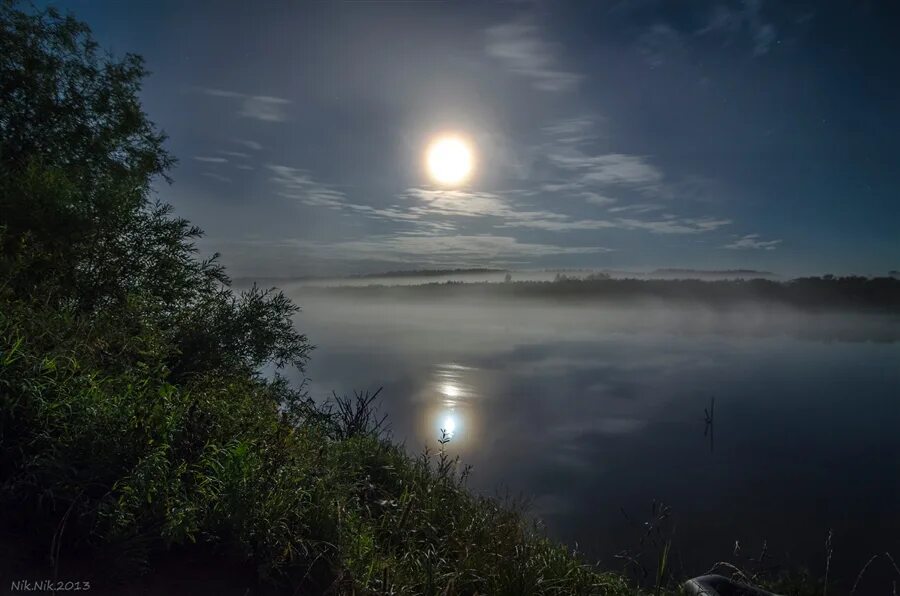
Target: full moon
(449, 160)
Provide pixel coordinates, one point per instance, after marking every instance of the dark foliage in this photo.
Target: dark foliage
(78, 229)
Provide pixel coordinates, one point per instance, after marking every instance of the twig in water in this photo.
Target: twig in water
(861, 573)
(893, 562)
(710, 428)
(711, 412)
(828, 551)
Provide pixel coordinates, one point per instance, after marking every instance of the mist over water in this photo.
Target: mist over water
(597, 410)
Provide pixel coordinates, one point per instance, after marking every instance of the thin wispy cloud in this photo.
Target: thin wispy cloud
(300, 185)
(238, 154)
(258, 107)
(604, 179)
(429, 209)
(562, 186)
(572, 131)
(745, 23)
(657, 226)
(660, 44)
(443, 249)
(673, 225)
(209, 159)
(753, 242)
(495, 205)
(597, 199)
(519, 46)
(462, 203)
(294, 183)
(637, 208)
(253, 145)
(216, 176)
(593, 176)
(566, 225)
(265, 108)
(610, 168)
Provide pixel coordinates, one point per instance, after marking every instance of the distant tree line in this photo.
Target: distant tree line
(827, 292)
(427, 272)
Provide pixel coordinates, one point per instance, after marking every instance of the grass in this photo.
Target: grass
(123, 467)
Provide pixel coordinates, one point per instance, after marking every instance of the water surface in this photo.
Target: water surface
(597, 411)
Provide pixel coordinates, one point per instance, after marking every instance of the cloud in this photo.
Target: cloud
(572, 131)
(444, 249)
(752, 242)
(249, 144)
(660, 226)
(216, 176)
(430, 205)
(610, 168)
(673, 225)
(238, 154)
(562, 226)
(474, 204)
(299, 184)
(258, 107)
(763, 37)
(581, 170)
(562, 186)
(219, 159)
(267, 109)
(597, 199)
(470, 204)
(518, 46)
(604, 179)
(660, 44)
(731, 23)
(637, 208)
(221, 92)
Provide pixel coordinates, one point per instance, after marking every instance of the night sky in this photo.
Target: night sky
(630, 135)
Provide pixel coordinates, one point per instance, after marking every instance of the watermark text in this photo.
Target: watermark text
(47, 585)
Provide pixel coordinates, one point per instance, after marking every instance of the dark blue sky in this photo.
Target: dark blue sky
(627, 134)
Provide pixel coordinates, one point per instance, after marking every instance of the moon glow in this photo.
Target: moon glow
(449, 160)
